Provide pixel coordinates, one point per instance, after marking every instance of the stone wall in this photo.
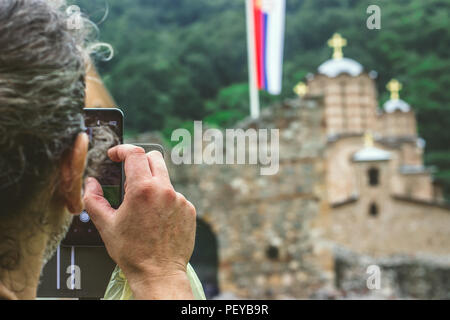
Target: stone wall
(269, 227)
(401, 227)
(350, 102)
(398, 124)
(274, 233)
(401, 276)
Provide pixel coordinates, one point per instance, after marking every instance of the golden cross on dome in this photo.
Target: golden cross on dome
(301, 89)
(394, 87)
(368, 140)
(337, 43)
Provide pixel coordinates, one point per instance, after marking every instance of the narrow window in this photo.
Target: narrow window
(373, 210)
(272, 252)
(374, 176)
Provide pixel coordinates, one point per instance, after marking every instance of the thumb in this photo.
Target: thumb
(95, 204)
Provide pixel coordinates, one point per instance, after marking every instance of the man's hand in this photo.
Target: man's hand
(151, 235)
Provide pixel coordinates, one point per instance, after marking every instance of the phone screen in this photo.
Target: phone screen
(104, 126)
(108, 173)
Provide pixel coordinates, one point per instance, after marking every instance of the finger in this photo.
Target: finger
(185, 201)
(96, 205)
(136, 164)
(158, 166)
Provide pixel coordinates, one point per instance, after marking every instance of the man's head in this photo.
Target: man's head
(42, 145)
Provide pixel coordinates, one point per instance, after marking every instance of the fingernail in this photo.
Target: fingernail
(88, 181)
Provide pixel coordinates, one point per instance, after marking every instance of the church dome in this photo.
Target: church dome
(396, 104)
(334, 67)
(371, 154)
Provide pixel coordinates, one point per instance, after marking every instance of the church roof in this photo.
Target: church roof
(334, 67)
(396, 104)
(421, 143)
(371, 154)
(338, 64)
(413, 169)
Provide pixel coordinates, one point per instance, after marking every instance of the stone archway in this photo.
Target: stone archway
(205, 258)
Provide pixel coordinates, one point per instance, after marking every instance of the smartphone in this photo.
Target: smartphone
(109, 174)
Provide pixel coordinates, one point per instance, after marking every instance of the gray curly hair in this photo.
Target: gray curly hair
(42, 91)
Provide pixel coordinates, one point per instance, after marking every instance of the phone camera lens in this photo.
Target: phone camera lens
(84, 217)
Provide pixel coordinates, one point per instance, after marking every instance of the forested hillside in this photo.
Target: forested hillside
(179, 60)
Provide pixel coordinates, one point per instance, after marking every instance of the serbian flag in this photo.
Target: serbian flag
(267, 23)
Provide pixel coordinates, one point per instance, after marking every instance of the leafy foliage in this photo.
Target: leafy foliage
(184, 60)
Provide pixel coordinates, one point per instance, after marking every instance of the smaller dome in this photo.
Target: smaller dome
(334, 67)
(421, 143)
(371, 154)
(396, 104)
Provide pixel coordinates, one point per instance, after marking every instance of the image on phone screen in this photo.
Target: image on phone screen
(103, 126)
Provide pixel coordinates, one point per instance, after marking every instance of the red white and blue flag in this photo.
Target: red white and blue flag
(267, 23)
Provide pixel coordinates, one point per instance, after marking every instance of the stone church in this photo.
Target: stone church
(375, 174)
(352, 190)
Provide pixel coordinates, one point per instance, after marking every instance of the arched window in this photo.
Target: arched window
(373, 210)
(374, 176)
(272, 252)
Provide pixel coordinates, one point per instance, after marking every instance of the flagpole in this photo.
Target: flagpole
(253, 89)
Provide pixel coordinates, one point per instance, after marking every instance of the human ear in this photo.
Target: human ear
(72, 170)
